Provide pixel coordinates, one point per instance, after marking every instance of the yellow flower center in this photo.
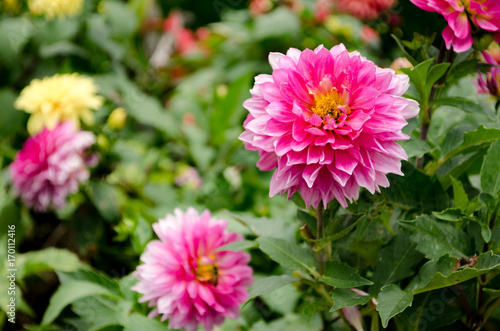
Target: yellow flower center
(328, 104)
(207, 272)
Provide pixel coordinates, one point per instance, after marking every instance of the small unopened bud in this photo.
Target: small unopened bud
(400, 62)
(117, 118)
(102, 141)
(221, 90)
(482, 40)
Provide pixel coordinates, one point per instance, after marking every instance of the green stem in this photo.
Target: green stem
(319, 228)
(488, 313)
(465, 304)
(426, 109)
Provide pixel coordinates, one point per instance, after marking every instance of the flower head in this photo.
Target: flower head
(51, 165)
(490, 85)
(52, 8)
(484, 14)
(59, 98)
(186, 275)
(328, 121)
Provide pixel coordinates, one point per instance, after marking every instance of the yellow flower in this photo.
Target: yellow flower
(55, 8)
(117, 118)
(59, 98)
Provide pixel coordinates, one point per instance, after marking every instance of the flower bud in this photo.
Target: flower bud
(117, 118)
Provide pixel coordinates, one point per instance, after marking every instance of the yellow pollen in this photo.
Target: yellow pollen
(207, 273)
(327, 104)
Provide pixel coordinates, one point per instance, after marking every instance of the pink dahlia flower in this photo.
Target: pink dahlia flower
(491, 84)
(328, 121)
(186, 275)
(484, 14)
(51, 165)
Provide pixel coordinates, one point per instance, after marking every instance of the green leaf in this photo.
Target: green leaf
(49, 32)
(460, 167)
(140, 106)
(458, 102)
(307, 219)
(91, 276)
(490, 172)
(62, 48)
(123, 21)
(391, 301)
(100, 33)
(12, 119)
(140, 322)
(415, 147)
(14, 35)
(403, 49)
(265, 227)
(451, 215)
(341, 275)
(435, 73)
(432, 311)
(340, 226)
(70, 292)
(49, 259)
(229, 107)
(288, 255)
(347, 298)
(103, 197)
(239, 245)
(438, 274)
(418, 76)
(471, 139)
(493, 293)
(415, 190)
(461, 70)
(266, 285)
(459, 196)
(281, 22)
(97, 311)
(436, 239)
(395, 262)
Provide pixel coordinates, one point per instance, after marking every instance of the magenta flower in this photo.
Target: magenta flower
(328, 121)
(51, 165)
(491, 84)
(484, 14)
(186, 275)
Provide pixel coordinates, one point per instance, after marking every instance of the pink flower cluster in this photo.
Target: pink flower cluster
(188, 277)
(491, 84)
(483, 14)
(51, 165)
(364, 9)
(328, 121)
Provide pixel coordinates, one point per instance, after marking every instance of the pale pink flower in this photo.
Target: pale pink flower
(186, 274)
(490, 85)
(369, 35)
(52, 165)
(399, 63)
(365, 9)
(484, 14)
(259, 7)
(328, 121)
(189, 177)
